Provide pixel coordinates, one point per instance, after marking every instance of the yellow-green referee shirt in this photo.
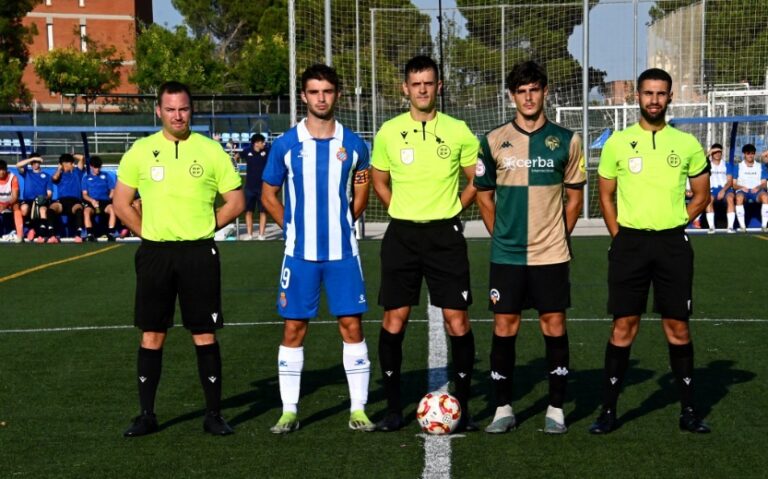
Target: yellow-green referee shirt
(424, 161)
(178, 182)
(650, 169)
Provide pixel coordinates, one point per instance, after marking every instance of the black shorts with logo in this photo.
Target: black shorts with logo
(639, 258)
(67, 203)
(188, 269)
(436, 251)
(514, 288)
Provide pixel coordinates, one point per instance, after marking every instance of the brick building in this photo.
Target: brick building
(64, 23)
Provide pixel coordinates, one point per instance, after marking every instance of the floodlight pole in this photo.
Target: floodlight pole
(328, 52)
(585, 93)
(292, 60)
(440, 46)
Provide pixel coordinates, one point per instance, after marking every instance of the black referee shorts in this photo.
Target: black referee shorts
(637, 259)
(436, 251)
(189, 270)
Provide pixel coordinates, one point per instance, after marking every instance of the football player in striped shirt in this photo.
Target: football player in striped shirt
(324, 168)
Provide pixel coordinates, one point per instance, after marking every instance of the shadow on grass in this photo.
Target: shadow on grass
(713, 383)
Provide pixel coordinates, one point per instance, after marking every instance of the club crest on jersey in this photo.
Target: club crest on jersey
(283, 300)
(673, 160)
(636, 164)
(406, 156)
(479, 168)
(341, 155)
(157, 173)
(582, 165)
(443, 151)
(195, 170)
(495, 296)
(552, 142)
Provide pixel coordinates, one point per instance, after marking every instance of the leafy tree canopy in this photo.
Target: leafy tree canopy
(162, 55)
(85, 73)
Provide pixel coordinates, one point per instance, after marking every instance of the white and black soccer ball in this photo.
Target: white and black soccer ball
(438, 413)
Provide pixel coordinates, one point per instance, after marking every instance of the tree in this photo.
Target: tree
(736, 38)
(162, 55)
(531, 33)
(230, 23)
(84, 73)
(263, 65)
(14, 50)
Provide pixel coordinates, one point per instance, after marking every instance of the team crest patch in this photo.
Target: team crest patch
(341, 155)
(552, 142)
(495, 296)
(479, 168)
(673, 160)
(195, 170)
(443, 151)
(157, 173)
(406, 156)
(283, 300)
(582, 165)
(636, 164)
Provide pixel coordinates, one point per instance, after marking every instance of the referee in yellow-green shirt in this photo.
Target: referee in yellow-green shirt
(178, 174)
(417, 159)
(645, 168)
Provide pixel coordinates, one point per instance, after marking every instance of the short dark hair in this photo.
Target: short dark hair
(654, 74)
(716, 146)
(320, 71)
(3, 165)
(748, 148)
(66, 158)
(172, 87)
(257, 138)
(524, 73)
(419, 63)
(35, 154)
(96, 161)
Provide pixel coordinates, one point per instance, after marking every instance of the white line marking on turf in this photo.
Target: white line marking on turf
(437, 449)
(277, 323)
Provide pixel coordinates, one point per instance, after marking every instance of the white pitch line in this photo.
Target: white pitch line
(277, 323)
(437, 449)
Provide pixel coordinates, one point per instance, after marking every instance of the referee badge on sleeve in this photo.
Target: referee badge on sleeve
(157, 173)
(636, 164)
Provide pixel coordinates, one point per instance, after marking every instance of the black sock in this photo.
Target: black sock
(463, 359)
(681, 361)
(616, 364)
(209, 368)
(149, 366)
(503, 356)
(558, 361)
(391, 360)
(79, 219)
(89, 231)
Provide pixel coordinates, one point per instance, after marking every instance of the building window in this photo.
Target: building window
(48, 3)
(49, 30)
(81, 3)
(83, 42)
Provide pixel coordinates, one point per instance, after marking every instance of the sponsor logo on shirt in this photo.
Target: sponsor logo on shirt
(512, 162)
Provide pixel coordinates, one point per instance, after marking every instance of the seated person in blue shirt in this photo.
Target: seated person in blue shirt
(68, 179)
(35, 198)
(97, 189)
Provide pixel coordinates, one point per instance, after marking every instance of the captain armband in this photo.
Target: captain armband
(362, 177)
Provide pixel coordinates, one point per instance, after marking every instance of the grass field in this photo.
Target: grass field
(67, 372)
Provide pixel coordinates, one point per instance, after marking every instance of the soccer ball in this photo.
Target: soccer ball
(438, 413)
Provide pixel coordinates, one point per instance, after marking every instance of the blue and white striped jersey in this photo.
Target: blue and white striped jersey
(317, 176)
